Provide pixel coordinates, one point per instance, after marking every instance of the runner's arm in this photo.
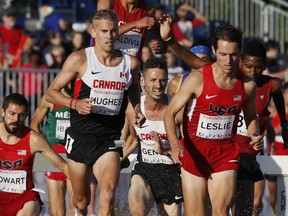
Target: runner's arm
(40, 114)
(166, 34)
(192, 87)
(250, 115)
(38, 144)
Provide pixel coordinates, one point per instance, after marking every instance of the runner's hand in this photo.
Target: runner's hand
(157, 142)
(177, 152)
(257, 141)
(145, 22)
(83, 106)
(165, 26)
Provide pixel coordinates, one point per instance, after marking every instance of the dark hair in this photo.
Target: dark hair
(53, 34)
(17, 99)
(35, 52)
(285, 86)
(155, 62)
(271, 44)
(159, 7)
(228, 33)
(180, 4)
(254, 48)
(202, 42)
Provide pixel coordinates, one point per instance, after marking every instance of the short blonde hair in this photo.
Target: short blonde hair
(105, 14)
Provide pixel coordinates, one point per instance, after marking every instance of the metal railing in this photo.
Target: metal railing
(254, 17)
(32, 83)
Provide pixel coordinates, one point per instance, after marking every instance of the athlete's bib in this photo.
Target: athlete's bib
(13, 181)
(242, 128)
(61, 126)
(106, 102)
(215, 127)
(129, 43)
(149, 154)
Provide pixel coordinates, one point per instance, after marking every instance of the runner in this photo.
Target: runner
(18, 145)
(58, 119)
(155, 178)
(211, 119)
(102, 81)
(252, 63)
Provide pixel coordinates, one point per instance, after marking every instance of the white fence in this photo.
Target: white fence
(255, 18)
(32, 83)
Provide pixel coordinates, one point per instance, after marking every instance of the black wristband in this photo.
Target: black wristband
(284, 124)
(170, 41)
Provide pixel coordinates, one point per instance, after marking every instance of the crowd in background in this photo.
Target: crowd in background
(57, 39)
(48, 48)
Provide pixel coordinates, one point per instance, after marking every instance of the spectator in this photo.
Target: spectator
(76, 43)
(29, 46)
(86, 34)
(273, 60)
(172, 62)
(10, 34)
(158, 47)
(59, 23)
(159, 11)
(272, 53)
(285, 66)
(58, 55)
(184, 26)
(146, 54)
(54, 39)
(32, 81)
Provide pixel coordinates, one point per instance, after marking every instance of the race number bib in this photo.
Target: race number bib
(106, 101)
(69, 143)
(129, 42)
(150, 155)
(13, 181)
(61, 126)
(215, 127)
(241, 127)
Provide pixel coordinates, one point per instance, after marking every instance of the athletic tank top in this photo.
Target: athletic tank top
(213, 116)
(262, 101)
(58, 120)
(108, 87)
(16, 166)
(182, 79)
(147, 152)
(132, 41)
